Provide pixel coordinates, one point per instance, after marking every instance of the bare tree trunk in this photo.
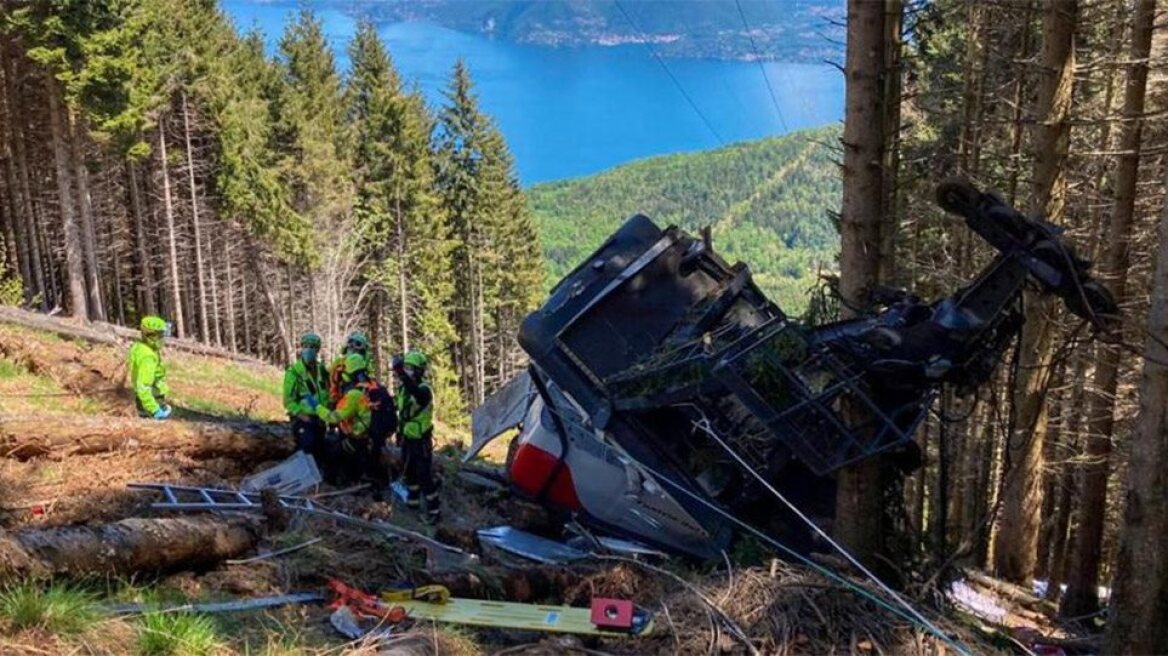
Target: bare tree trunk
(200, 272)
(1083, 572)
(31, 229)
(1139, 601)
(253, 260)
(1016, 545)
(172, 237)
(216, 317)
(403, 298)
(229, 294)
(89, 242)
(16, 205)
(145, 268)
(859, 503)
(126, 548)
(74, 258)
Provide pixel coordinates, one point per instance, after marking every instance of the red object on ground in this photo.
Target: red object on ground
(363, 603)
(612, 613)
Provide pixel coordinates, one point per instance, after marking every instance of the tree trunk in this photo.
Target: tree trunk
(229, 294)
(124, 549)
(403, 299)
(145, 268)
(74, 258)
(1083, 570)
(859, 504)
(1016, 545)
(17, 212)
(200, 271)
(172, 237)
(253, 260)
(248, 443)
(89, 244)
(1139, 601)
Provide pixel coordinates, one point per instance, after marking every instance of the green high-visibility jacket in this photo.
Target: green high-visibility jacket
(300, 380)
(148, 375)
(415, 410)
(353, 414)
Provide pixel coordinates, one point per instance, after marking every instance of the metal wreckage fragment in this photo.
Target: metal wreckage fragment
(670, 401)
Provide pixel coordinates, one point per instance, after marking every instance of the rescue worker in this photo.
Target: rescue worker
(415, 415)
(305, 385)
(147, 373)
(365, 418)
(356, 343)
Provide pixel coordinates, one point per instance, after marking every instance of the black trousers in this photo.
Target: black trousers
(309, 436)
(419, 472)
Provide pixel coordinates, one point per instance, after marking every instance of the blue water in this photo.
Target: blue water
(568, 112)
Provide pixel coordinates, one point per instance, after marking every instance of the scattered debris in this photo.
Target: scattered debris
(363, 604)
(522, 543)
(273, 554)
(221, 607)
(187, 498)
(355, 627)
(292, 476)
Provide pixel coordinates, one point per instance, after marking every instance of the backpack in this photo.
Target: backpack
(383, 414)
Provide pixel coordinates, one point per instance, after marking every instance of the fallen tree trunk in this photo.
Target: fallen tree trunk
(107, 333)
(1014, 593)
(131, 546)
(27, 437)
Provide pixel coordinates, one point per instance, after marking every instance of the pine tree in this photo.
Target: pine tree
(400, 219)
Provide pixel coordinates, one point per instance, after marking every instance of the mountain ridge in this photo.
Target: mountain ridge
(779, 193)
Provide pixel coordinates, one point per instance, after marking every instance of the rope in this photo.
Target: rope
(665, 67)
(912, 616)
(758, 59)
(704, 425)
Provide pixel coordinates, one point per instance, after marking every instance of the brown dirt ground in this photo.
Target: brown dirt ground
(788, 612)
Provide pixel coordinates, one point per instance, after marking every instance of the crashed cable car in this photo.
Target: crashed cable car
(665, 387)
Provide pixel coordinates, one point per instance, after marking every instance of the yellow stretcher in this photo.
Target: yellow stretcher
(510, 615)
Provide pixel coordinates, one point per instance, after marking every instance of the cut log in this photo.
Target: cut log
(1011, 592)
(131, 546)
(108, 333)
(26, 437)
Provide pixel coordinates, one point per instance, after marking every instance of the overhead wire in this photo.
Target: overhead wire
(758, 60)
(661, 61)
(705, 426)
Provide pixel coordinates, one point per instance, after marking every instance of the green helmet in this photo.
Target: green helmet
(310, 340)
(415, 359)
(153, 325)
(354, 362)
(357, 342)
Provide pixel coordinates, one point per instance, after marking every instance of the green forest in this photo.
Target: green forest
(156, 161)
(769, 203)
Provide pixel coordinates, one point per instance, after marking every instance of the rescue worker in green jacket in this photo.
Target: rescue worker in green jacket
(305, 385)
(364, 417)
(356, 343)
(147, 373)
(415, 421)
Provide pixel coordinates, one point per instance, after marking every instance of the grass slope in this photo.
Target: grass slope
(768, 202)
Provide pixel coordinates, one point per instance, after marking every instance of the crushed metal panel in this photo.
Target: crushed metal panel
(501, 412)
(292, 476)
(522, 543)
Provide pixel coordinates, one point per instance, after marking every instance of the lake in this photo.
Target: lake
(568, 112)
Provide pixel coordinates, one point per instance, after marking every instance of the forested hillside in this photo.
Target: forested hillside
(1054, 469)
(770, 204)
(152, 160)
